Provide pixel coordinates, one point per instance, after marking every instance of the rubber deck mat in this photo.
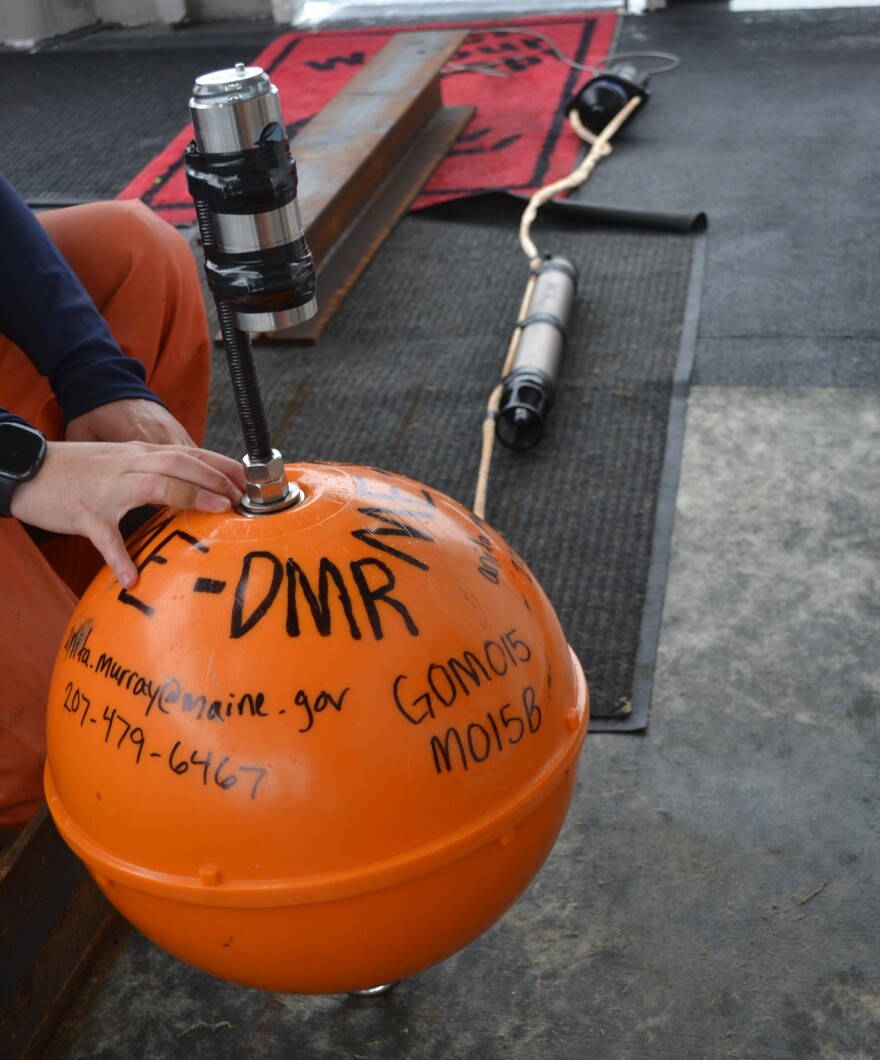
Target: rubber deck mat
(401, 376)
(86, 119)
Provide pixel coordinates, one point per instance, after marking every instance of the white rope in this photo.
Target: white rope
(600, 148)
(487, 449)
(492, 407)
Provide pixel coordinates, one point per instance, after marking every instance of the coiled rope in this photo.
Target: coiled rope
(600, 148)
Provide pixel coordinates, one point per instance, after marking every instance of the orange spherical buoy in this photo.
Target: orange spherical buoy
(318, 750)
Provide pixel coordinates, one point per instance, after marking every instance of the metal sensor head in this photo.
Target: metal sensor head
(231, 108)
(527, 399)
(603, 97)
(243, 181)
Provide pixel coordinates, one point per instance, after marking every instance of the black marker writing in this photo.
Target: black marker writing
(119, 734)
(263, 573)
(162, 695)
(462, 674)
(223, 774)
(135, 734)
(377, 536)
(170, 694)
(156, 555)
(489, 566)
(74, 699)
(76, 644)
(322, 701)
(463, 746)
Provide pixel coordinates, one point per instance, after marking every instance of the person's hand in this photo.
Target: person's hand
(86, 487)
(128, 420)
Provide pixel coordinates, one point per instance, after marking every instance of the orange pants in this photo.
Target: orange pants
(143, 278)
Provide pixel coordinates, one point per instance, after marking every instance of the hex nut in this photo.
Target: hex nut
(266, 480)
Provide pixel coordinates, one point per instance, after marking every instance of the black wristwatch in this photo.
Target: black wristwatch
(22, 452)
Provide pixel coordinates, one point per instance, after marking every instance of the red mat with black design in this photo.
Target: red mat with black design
(517, 140)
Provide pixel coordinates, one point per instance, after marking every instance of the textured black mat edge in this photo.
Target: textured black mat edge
(658, 569)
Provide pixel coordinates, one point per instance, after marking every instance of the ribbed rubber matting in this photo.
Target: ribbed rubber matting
(80, 121)
(401, 376)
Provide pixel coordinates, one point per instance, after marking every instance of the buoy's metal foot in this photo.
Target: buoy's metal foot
(374, 991)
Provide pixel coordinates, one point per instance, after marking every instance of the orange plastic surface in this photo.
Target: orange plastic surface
(318, 750)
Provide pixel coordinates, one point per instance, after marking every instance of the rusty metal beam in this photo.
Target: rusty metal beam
(341, 267)
(53, 919)
(366, 156)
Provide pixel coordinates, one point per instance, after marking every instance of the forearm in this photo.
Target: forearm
(47, 313)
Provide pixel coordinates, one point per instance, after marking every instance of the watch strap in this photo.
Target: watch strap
(7, 485)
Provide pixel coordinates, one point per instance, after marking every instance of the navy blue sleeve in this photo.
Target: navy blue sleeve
(47, 313)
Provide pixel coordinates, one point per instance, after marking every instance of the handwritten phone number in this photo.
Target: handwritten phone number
(121, 734)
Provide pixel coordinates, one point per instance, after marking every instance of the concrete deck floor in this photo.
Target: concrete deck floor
(714, 890)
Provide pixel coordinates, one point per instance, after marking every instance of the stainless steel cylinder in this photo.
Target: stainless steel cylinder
(543, 332)
(231, 108)
(530, 385)
(234, 111)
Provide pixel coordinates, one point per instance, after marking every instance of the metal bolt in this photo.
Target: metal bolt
(267, 486)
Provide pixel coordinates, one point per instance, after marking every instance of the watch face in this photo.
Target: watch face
(21, 450)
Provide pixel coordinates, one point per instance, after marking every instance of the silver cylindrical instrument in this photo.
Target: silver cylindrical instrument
(243, 180)
(530, 384)
(230, 108)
